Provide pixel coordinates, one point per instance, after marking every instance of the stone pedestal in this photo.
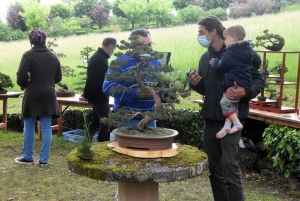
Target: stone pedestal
(138, 178)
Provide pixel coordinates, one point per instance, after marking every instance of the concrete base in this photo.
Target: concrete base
(142, 191)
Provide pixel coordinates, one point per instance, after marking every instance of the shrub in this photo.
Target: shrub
(219, 12)
(7, 34)
(256, 7)
(121, 21)
(283, 144)
(191, 14)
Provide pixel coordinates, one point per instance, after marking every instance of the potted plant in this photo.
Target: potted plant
(84, 151)
(265, 73)
(277, 69)
(273, 42)
(163, 87)
(274, 95)
(5, 82)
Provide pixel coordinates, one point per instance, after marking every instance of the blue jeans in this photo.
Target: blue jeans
(29, 127)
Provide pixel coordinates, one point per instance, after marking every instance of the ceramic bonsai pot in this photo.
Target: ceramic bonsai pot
(145, 142)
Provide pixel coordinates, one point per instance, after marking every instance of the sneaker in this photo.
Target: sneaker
(42, 164)
(22, 161)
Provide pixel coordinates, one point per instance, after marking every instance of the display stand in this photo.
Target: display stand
(268, 105)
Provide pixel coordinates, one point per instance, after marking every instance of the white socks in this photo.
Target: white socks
(226, 129)
(237, 126)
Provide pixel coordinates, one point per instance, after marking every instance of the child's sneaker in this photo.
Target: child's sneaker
(22, 161)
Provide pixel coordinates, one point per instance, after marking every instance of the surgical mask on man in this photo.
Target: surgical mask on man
(111, 53)
(203, 41)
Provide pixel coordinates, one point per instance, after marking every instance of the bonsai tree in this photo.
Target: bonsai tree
(274, 95)
(84, 53)
(264, 73)
(277, 69)
(84, 151)
(66, 70)
(5, 82)
(160, 82)
(269, 41)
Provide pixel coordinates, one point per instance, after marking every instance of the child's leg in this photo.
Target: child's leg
(237, 126)
(226, 129)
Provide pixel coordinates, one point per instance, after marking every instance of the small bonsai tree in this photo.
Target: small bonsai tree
(160, 82)
(66, 70)
(269, 41)
(274, 95)
(84, 53)
(277, 69)
(84, 149)
(5, 82)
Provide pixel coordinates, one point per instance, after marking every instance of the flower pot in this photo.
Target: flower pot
(145, 142)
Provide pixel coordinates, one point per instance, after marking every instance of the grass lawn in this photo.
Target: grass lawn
(56, 182)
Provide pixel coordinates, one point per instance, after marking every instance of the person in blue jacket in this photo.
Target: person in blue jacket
(236, 64)
(129, 99)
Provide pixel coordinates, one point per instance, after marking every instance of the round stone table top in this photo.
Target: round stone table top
(108, 165)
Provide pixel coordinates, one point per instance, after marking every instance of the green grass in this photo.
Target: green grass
(57, 182)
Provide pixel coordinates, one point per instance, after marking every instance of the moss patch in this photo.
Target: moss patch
(106, 161)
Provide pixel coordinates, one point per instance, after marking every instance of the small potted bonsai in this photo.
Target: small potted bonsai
(265, 73)
(277, 69)
(274, 95)
(163, 86)
(273, 42)
(5, 82)
(84, 151)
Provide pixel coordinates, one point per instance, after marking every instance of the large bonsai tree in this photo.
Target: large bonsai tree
(269, 41)
(160, 82)
(5, 81)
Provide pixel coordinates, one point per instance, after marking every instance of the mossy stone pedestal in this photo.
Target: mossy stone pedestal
(138, 178)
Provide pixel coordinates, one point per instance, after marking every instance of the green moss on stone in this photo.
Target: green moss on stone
(107, 160)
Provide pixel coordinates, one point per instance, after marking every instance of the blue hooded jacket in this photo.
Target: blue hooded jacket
(236, 64)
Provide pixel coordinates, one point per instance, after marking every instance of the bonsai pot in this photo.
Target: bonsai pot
(261, 98)
(65, 93)
(3, 91)
(145, 142)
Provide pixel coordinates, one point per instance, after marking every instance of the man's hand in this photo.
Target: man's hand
(237, 93)
(194, 78)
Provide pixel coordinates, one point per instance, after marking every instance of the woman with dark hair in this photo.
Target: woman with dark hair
(39, 102)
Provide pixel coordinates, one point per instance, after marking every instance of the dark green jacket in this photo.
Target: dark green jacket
(212, 88)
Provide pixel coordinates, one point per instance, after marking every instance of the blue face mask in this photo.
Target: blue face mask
(203, 41)
(110, 53)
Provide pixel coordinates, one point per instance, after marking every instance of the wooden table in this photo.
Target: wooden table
(286, 119)
(73, 101)
(4, 98)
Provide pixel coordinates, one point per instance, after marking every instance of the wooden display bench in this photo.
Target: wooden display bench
(268, 105)
(269, 79)
(4, 98)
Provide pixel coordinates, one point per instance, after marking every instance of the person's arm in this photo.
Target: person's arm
(195, 78)
(58, 74)
(24, 67)
(256, 60)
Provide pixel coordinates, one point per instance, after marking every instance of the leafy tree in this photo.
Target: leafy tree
(180, 4)
(159, 8)
(85, 7)
(191, 14)
(217, 3)
(60, 10)
(116, 10)
(13, 17)
(133, 9)
(34, 14)
(100, 15)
